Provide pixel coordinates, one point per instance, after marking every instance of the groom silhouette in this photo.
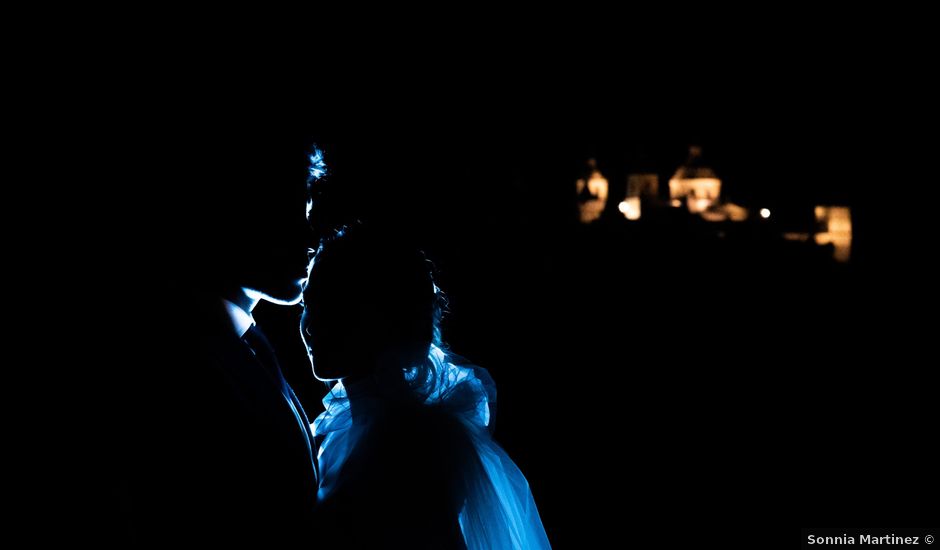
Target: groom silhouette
(223, 453)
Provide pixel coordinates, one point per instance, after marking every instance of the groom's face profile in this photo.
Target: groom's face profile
(235, 189)
(273, 256)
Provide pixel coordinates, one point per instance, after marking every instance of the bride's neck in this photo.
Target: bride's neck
(378, 384)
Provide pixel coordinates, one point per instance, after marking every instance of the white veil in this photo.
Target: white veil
(499, 511)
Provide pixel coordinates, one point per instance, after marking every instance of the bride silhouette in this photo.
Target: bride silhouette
(406, 456)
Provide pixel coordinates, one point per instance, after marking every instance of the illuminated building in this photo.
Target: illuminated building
(834, 225)
(695, 184)
(592, 194)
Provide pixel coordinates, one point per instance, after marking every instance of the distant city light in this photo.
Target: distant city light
(699, 206)
(765, 213)
(630, 208)
(592, 193)
(835, 227)
(696, 183)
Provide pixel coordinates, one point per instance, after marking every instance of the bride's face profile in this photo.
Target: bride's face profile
(328, 330)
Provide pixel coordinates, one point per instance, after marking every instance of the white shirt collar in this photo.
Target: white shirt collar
(241, 319)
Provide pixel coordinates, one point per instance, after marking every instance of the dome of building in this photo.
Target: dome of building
(695, 183)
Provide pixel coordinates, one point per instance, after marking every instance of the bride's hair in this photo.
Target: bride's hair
(375, 276)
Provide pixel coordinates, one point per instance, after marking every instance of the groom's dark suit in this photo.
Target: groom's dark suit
(228, 449)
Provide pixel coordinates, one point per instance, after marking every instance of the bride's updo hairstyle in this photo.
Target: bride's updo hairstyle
(372, 308)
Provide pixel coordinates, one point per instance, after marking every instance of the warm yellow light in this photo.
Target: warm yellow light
(695, 183)
(736, 213)
(630, 208)
(835, 226)
(765, 213)
(594, 195)
(699, 192)
(796, 236)
(597, 186)
(697, 206)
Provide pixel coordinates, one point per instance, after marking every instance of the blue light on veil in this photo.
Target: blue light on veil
(499, 511)
(317, 167)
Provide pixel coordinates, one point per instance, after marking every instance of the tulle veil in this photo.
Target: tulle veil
(499, 511)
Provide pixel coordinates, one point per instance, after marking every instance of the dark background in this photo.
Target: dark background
(649, 374)
(647, 370)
